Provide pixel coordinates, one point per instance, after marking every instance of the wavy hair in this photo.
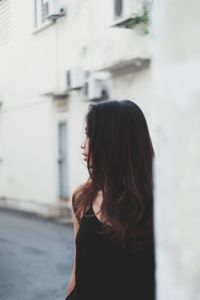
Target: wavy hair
(122, 155)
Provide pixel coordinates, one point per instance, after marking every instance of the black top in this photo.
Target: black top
(108, 272)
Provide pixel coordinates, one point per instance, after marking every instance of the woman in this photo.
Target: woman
(113, 210)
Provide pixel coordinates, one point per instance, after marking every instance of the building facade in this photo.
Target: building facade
(55, 58)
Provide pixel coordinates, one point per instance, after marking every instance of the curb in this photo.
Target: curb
(61, 220)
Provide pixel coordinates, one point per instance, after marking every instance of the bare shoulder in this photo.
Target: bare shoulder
(79, 188)
(76, 192)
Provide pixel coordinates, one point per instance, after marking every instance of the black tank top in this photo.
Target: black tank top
(108, 272)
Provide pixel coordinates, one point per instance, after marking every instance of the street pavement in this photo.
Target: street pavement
(35, 257)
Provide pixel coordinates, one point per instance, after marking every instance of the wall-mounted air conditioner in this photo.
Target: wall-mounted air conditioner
(54, 9)
(75, 78)
(124, 9)
(95, 89)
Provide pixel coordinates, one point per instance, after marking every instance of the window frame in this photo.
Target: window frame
(40, 20)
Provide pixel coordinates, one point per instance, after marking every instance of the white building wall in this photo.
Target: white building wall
(28, 149)
(27, 140)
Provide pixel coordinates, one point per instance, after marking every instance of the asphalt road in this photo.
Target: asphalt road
(35, 257)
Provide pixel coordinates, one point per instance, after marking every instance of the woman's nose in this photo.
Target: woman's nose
(83, 145)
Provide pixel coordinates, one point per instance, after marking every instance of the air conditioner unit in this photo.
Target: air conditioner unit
(95, 89)
(75, 78)
(124, 9)
(55, 9)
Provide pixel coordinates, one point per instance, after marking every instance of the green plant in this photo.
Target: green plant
(142, 18)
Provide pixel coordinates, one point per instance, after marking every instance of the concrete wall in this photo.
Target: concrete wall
(176, 72)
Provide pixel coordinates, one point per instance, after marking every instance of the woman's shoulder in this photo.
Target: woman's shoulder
(80, 187)
(75, 198)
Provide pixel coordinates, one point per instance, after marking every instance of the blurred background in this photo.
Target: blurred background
(57, 57)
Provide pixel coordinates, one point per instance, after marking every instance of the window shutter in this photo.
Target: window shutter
(5, 21)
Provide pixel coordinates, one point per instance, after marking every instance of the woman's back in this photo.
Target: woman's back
(105, 271)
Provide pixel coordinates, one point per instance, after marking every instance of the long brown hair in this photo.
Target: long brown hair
(122, 156)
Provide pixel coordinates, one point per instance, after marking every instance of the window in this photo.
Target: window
(118, 8)
(47, 11)
(42, 8)
(68, 79)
